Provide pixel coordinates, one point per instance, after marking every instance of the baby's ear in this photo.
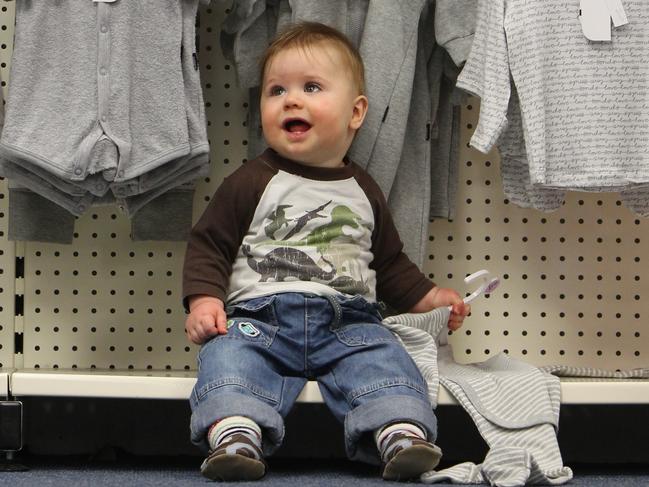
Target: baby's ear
(359, 112)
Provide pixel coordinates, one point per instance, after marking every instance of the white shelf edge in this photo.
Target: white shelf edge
(170, 385)
(131, 384)
(4, 385)
(604, 391)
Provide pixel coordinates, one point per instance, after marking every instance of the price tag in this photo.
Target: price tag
(595, 19)
(616, 10)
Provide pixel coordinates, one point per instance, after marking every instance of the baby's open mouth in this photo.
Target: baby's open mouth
(296, 125)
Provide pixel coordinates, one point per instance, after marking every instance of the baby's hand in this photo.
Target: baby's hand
(441, 296)
(459, 311)
(206, 318)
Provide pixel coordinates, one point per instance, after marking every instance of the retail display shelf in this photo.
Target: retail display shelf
(152, 384)
(136, 384)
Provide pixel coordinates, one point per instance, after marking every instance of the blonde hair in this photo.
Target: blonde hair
(306, 34)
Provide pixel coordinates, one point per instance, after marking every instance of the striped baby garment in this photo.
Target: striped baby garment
(514, 405)
(569, 371)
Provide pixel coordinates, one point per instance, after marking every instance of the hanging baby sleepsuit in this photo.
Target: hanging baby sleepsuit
(105, 105)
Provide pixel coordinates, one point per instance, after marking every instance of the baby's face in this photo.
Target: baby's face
(310, 105)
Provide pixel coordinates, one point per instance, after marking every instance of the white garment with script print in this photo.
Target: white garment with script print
(584, 104)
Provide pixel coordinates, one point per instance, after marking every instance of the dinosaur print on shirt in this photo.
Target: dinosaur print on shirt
(334, 259)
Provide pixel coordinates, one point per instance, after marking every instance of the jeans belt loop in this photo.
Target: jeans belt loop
(338, 311)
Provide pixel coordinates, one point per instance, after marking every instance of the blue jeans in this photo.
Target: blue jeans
(276, 343)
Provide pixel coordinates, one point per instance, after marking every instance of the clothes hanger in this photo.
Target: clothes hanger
(487, 285)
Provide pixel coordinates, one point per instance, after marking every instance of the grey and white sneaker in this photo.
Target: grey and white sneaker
(237, 458)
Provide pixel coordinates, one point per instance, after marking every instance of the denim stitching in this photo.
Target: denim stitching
(265, 337)
(259, 303)
(306, 335)
(395, 382)
(235, 381)
(340, 389)
(354, 341)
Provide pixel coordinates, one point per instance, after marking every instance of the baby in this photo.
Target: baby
(285, 275)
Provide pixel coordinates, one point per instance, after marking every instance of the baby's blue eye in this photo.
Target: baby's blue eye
(311, 87)
(276, 91)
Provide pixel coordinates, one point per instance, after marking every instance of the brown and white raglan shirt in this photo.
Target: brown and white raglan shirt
(277, 226)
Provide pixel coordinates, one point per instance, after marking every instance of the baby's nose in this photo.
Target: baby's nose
(293, 99)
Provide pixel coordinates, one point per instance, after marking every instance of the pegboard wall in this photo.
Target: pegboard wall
(573, 287)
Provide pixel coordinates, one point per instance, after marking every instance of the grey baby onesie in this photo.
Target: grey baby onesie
(84, 70)
(143, 191)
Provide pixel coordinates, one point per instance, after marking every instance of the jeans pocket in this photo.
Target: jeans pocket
(250, 330)
(357, 309)
(253, 320)
(253, 307)
(363, 334)
(245, 332)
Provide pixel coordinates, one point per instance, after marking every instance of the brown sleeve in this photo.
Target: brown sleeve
(215, 239)
(399, 282)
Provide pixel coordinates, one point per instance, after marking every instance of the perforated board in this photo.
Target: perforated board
(8, 320)
(573, 287)
(574, 284)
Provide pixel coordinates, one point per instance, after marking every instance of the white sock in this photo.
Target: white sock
(220, 430)
(383, 434)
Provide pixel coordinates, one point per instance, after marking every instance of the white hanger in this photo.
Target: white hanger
(488, 285)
